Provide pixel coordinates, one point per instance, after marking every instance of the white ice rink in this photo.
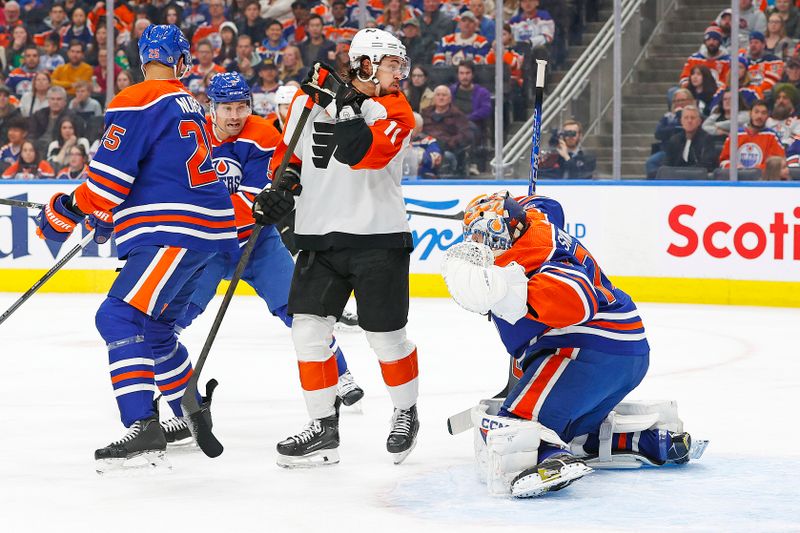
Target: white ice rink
(733, 370)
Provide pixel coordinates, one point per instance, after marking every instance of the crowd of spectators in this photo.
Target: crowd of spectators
(695, 133)
(54, 61)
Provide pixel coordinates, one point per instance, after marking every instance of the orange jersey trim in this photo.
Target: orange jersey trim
(145, 93)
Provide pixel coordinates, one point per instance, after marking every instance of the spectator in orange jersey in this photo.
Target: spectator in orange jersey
(756, 141)
(30, 165)
(713, 56)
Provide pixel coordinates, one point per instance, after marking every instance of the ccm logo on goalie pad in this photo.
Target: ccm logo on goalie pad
(488, 424)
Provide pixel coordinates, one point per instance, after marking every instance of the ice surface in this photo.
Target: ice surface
(735, 372)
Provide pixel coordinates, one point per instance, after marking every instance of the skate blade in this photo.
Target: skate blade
(532, 486)
(312, 460)
(399, 457)
(143, 463)
(697, 448)
(187, 445)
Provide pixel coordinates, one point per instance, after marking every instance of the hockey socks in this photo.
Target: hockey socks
(172, 372)
(652, 443)
(132, 376)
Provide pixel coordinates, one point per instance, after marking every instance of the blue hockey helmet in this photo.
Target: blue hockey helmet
(166, 44)
(228, 87)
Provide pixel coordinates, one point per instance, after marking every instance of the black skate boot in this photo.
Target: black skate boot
(348, 321)
(552, 474)
(316, 445)
(682, 448)
(177, 431)
(403, 435)
(143, 446)
(348, 390)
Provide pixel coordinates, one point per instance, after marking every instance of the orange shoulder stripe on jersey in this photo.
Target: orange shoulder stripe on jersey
(145, 93)
(174, 218)
(88, 201)
(315, 375)
(94, 176)
(400, 372)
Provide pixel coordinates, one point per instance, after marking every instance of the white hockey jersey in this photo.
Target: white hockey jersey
(343, 206)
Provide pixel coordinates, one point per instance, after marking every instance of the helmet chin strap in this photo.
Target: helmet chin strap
(371, 79)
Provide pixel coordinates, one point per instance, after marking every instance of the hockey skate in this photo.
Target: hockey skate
(682, 448)
(347, 322)
(349, 392)
(178, 434)
(316, 445)
(403, 435)
(552, 474)
(143, 447)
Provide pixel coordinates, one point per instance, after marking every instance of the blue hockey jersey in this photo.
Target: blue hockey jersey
(153, 172)
(571, 303)
(241, 163)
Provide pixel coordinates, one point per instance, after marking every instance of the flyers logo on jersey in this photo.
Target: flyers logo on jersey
(324, 144)
(229, 172)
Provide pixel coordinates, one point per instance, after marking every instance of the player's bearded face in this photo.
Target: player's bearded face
(231, 116)
(391, 71)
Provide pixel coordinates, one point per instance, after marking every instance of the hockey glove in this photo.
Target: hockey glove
(290, 180)
(348, 102)
(57, 220)
(322, 84)
(102, 224)
(271, 205)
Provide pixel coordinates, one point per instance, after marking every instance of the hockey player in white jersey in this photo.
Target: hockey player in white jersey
(348, 160)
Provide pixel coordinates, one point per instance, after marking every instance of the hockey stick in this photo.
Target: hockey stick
(199, 416)
(454, 216)
(21, 203)
(461, 422)
(537, 125)
(50, 273)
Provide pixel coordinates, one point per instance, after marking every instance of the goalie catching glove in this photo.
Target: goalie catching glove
(480, 286)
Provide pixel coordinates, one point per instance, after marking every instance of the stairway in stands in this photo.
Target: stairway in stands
(644, 100)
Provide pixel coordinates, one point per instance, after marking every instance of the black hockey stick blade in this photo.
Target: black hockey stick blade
(200, 423)
(21, 203)
(454, 216)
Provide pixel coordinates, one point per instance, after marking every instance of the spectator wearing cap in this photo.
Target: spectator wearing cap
(210, 30)
(76, 69)
(765, 68)
(787, 10)
(486, 26)
(777, 42)
(419, 48)
(751, 19)
(791, 74)
(757, 143)
(783, 117)
(227, 49)
(17, 133)
(204, 51)
(316, 47)
(457, 48)
(20, 79)
(434, 22)
(267, 81)
(533, 27)
(252, 24)
(78, 30)
(723, 22)
(273, 45)
(712, 55)
(340, 29)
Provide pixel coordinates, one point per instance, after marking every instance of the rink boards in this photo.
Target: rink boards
(691, 242)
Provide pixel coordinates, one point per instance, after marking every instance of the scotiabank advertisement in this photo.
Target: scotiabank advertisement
(747, 231)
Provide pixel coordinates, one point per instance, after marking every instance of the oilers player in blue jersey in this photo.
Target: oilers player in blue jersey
(153, 174)
(578, 340)
(241, 148)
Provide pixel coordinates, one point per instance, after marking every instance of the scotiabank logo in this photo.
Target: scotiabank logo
(750, 240)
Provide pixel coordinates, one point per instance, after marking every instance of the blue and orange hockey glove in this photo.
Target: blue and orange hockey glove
(102, 224)
(58, 219)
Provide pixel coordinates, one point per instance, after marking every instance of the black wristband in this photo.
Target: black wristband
(72, 206)
(353, 140)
